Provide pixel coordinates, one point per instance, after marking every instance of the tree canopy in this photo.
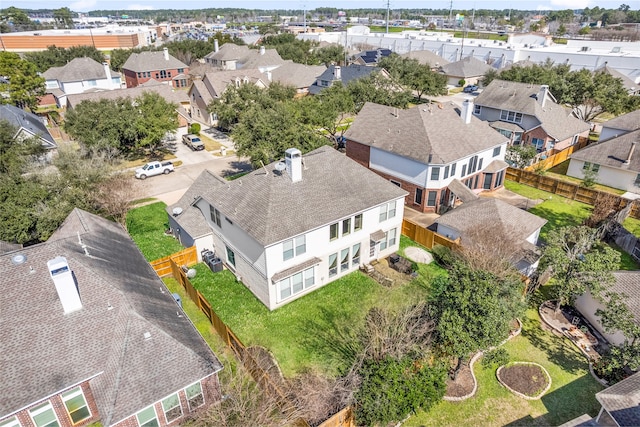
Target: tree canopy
(23, 85)
(58, 56)
(411, 74)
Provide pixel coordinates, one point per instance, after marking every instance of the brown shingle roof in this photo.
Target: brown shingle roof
(426, 57)
(628, 122)
(217, 82)
(297, 75)
(613, 152)
(270, 207)
(122, 298)
(152, 61)
(164, 90)
(428, 134)
(466, 67)
(229, 52)
(78, 69)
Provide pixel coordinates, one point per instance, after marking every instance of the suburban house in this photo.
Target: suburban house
(299, 76)
(144, 66)
(626, 284)
(213, 85)
(632, 87)
(425, 148)
(233, 57)
(78, 76)
(620, 125)
(177, 97)
(27, 125)
(292, 226)
(529, 114)
(426, 57)
(615, 162)
(336, 73)
(371, 57)
(469, 69)
(506, 224)
(107, 342)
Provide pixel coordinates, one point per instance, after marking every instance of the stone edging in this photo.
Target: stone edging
(517, 393)
(473, 360)
(591, 371)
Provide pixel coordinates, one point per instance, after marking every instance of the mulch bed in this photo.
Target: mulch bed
(463, 384)
(529, 380)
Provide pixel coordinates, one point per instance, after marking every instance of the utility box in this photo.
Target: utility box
(212, 261)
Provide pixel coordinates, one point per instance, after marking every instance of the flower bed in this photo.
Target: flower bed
(525, 379)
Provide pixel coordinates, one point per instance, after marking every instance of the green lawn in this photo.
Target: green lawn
(571, 394)
(146, 225)
(633, 225)
(305, 333)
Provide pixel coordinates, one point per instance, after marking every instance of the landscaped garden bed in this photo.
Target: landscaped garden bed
(524, 379)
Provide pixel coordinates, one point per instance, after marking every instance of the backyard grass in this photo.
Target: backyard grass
(310, 331)
(146, 225)
(633, 225)
(559, 171)
(572, 391)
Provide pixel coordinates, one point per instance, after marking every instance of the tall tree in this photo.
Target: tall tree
(58, 56)
(24, 85)
(64, 17)
(578, 262)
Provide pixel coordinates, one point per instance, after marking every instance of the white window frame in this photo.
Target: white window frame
(346, 226)
(333, 271)
(307, 280)
(155, 413)
(345, 259)
(44, 407)
(191, 408)
(510, 116)
(358, 218)
(288, 251)
(73, 393)
(11, 422)
(356, 252)
(335, 226)
(165, 410)
(387, 211)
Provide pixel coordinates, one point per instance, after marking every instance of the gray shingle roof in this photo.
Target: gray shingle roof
(622, 401)
(426, 57)
(628, 283)
(347, 74)
(501, 217)
(229, 52)
(217, 82)
(297, 75)
(628, 84)
(422, 132)
(271, 208)
(164, 90)
(461, 191)
(255, 59)
(151, 61)
(202, 90)
(78, 69)
(28, 121)
(628, 122)
(130, 372)
(557, 121)
(613, 152)
(466, 67)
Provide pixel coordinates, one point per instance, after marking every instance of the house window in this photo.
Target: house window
(499, 179)
(550, 145)
(357, 222)
(418, 197)
(637, 181)
(139, 75)
(355, 255)
(435, 174)
(194, 395)
(389, 239)
(11, 422)
(231, 256)
(388, 210)
(392, 237)
(333, 264)
(477, 109)
(344, 259)
(294, 284)
(309, 278)
(44, 416)
(294, 247)
(333, 231)
(396, 183)
(517, 138)
(92, 83)
(287, 250)
(431, 198)
(392, 209)
(464, 170)
(496, 151)
(595, 167)
(446, 172)
(171, 407)
(505, 133)
(538, 143)
(488, 177)
(586, 166)
(147, 417)
(480, 164)
(453, 169)
(180, 70)
(215, 215)
(163, 74)
(511, 116)
(575, 139)
(346, 226)
(473, 164)
(301, 245)
(157, 76)
(169, 74)
(76, 405)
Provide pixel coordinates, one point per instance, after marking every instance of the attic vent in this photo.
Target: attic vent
(18, 259)
(177, 211)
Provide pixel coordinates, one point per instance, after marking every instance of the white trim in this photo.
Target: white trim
(201, 392)
(45, 407)
(177, 393)
(15, 422)
(86, 403)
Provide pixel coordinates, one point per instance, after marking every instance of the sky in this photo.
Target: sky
(87, 5)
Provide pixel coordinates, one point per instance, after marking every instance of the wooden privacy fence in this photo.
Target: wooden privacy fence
(569, 190)
(172, 266)
(426, 237)
(558, 157)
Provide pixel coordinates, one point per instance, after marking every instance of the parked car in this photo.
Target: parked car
(470, 88)
(193, 142)
(154, 168)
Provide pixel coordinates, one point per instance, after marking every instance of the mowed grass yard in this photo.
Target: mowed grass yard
(146, 225)
(572, 391)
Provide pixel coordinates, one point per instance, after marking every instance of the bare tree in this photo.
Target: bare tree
(115, 195)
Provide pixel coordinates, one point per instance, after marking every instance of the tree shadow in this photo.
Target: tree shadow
(237, 167)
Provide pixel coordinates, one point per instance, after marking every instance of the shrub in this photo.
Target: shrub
(590, 178)
(461, 82)
(194, 128)
(391, 389)
(494, 358)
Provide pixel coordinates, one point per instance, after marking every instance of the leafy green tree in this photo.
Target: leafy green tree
(419, 78)
(16, 16)
(15, 154)
(618, 362)
(58, 56)
(156, 117)
(474, 308)
(333, 54)
(520, 156)
(329, 110)
(617, 316)
(24, 85)
(64, 17)
(379, 89)
(392, 389)
(578, 263)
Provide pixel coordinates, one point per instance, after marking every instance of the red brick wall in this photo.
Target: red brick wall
(132, 79)
(536, 133)
(358, 152)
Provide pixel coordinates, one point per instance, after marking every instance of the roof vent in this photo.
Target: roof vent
(280, 166)
(177, 211)
(18, 259)
(147, 335)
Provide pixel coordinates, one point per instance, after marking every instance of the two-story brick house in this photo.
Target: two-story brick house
(91, 334)
(292, 227)
(529, 114)
(426, 148)
(160, 66)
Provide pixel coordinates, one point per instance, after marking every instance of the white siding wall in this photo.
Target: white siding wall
(533, 238)
(607, 133)
(489, 114)
(616, 178)
(587, 305)
(449, 232)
